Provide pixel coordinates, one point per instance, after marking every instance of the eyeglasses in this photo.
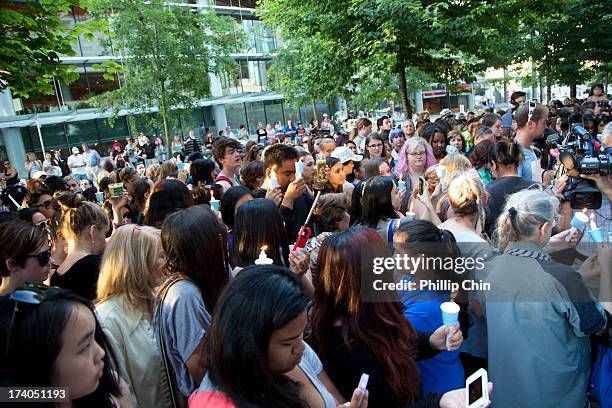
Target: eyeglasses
(43, 257)
(417, 154)
(47, 204)
(375, 146)
(532, 106)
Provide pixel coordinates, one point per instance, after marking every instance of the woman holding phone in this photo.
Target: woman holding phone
(257, 354)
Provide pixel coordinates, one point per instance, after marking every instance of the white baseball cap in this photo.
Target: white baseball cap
(39, 174)
(345, 154)
(446, 112)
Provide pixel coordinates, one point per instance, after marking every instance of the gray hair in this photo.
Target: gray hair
(533, 208)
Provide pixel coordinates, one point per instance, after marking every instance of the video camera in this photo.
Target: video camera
(578, 156)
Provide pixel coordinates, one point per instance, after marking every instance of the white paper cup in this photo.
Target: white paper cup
(215, 205)
(409, 216)
(450, 313)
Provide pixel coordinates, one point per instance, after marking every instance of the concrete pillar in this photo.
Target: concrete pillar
(418, 101)
(220, 118)
(11, 137)
(12, 141)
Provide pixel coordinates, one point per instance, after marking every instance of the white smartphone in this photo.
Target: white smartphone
(476, 390)
(363, 386)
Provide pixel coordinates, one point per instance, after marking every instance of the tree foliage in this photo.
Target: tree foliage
(335, 43)
(167, 53)
(32, 38)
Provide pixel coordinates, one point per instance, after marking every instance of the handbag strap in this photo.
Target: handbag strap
(162, 340)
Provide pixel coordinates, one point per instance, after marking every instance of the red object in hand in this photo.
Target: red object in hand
(302, 238)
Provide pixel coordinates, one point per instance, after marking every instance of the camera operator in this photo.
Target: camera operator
(516, 99)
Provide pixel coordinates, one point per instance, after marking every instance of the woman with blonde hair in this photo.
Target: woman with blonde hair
(32, 164)
(84, 227)
(129, 276)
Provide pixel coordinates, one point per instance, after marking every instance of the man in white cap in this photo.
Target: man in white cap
(77, 165)
(444, 113)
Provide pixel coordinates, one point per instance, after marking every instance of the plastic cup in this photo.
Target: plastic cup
(450, 317)
(450, 313)
(409, 216)
(597, 235)
(579, 220)
(100, 197)
(401, 185)
(215, 205)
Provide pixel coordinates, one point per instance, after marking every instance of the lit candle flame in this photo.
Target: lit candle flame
(263, 248)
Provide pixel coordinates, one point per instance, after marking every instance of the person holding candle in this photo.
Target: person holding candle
(280, 159)
(258, 356)
(539, 309)
(259, 232)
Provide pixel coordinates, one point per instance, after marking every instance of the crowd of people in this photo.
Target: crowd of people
(228, 272)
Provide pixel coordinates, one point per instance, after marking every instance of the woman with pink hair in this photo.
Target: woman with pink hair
(415, 157)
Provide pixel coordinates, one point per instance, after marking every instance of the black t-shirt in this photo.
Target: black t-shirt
(149, 149)
(499, 190)
(345, 366)
(81, 278)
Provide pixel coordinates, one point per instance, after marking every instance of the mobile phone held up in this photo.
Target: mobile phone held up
(363, 386)
(477, 390)
(422, 185)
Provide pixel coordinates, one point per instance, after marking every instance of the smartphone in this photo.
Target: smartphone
(363, 386)
(422, 185)
(115, 190)
(321, 171)
(476, 390)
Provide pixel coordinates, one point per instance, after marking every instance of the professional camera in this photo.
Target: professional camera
(578, 156)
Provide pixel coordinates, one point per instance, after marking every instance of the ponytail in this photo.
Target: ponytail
(77, 214)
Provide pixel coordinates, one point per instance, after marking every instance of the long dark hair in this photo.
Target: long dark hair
(259, 223)
(168, 195)
(422, 237)
(201, 171)
(195, 244)
(258, 301)
(229, 201)
(380, 325)
(31, 337)
(376, 202)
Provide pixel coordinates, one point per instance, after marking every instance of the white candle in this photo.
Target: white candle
(592, 222)
(263, 258)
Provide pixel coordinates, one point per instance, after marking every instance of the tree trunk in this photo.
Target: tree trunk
(314, 110)
(572, 86)
(163, 111)
(548, 88)
(406, 108)
(505, 85)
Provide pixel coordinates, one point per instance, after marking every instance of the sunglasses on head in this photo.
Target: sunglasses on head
(30, 293)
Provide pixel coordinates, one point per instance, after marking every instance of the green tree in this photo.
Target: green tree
(167, 52)
(337, 41)
(32, 38)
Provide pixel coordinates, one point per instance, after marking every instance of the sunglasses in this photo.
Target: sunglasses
(31, 294)
(43, 257)
(47, 204)
(43, 224)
